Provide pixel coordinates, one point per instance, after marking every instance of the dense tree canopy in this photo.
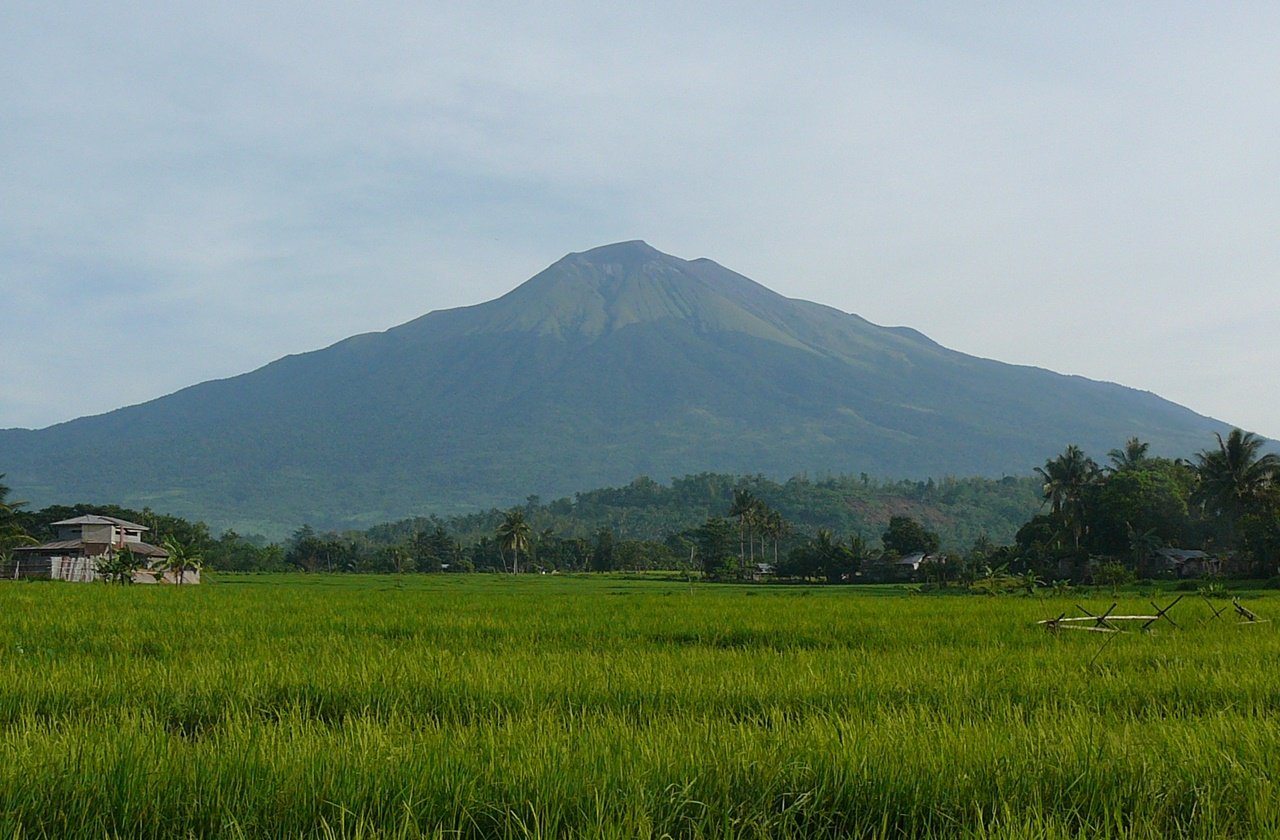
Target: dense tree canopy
(1225, 501)
(1067, 480)
(906, 536)
(1235, 479)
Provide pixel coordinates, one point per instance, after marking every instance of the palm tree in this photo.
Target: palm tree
(544, 548)
(1144, 545)
(11, 533)
(513, 536)
(744, 505)
(775, 527)
(1066, 478)
(6, 507)
(1234, 476)
(755, 518)
(180, 561)
(830, 555)
(1132, 456)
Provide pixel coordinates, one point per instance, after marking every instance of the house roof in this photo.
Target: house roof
(1181, 555)
(58, 545)
(92, 549)
(147, 550)
(94, 519)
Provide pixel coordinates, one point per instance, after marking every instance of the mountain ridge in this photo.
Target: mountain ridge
(610, 363)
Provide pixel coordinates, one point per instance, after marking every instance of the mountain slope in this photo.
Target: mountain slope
(611, 363)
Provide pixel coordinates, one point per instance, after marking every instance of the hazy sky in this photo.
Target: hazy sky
(189, 191)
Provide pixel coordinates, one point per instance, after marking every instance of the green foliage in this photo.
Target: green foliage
(570, 554)
(1133, 456)
(996, 580)
(1126, 514)
(181, 561)
(119, 566)
(644, 555)
(714, 548)
(1235, 480)
(1259, 535)
(1152, 496)
(235, 553)
(1111, 573)
(602, 553)
(824, 556)
(308, 552)
(12, 532)
(782, 514)
(905, 536)
(1214, 590)
(433, 551)
(513, 537)
(1068, 479)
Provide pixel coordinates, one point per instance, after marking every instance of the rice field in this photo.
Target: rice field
(482, 706)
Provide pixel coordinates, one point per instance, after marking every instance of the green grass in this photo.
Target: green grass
(481, 706)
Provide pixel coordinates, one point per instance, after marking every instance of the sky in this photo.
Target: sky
(190, 191)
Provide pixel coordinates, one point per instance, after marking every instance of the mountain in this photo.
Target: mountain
(612, 363)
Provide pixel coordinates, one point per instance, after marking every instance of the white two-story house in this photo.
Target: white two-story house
(85, 540)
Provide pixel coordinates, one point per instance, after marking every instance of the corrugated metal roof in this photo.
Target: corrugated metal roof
(1180, 555)
(94, 519)
(60, 545)
(93, 549)
(146, 549)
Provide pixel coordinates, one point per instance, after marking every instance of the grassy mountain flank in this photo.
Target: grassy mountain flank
(616, 362)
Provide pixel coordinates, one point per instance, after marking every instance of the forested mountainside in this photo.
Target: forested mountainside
(617, 362)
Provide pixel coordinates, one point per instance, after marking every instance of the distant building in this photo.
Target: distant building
(1187, 562)
(899, 569)
(912, 561)
(82, 542)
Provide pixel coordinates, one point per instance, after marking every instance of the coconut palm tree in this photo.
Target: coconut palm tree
(513, 536)
(1132, 456)
(11, 533)
(1143, 545)
(1234, 476)
(743, 508)
(776, 527)
(1066, 479)
(181, 560)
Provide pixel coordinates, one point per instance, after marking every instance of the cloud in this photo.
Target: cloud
(1088, 189)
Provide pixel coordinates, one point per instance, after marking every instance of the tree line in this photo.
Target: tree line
(1224, 501)
(1073, 519)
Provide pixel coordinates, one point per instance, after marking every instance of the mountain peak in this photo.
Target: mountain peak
(590, 293)
(632, 258)
(632, 250)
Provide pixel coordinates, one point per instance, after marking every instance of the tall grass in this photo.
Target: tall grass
(486, 707)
